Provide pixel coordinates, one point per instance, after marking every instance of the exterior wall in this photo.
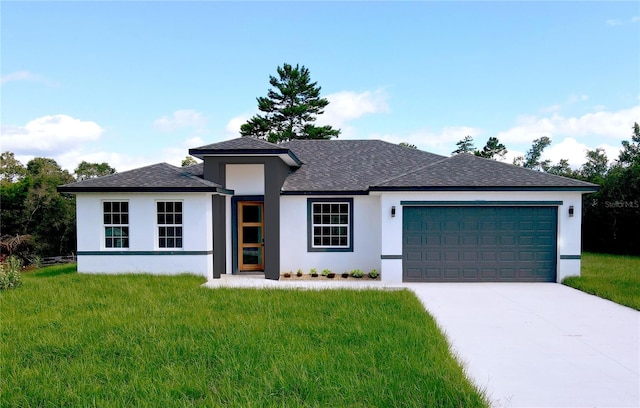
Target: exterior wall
(143, 254)
(293, 238)
(569, 228)
(274, 173)
(245, 179)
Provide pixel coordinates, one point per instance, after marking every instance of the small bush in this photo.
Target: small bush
(299, 273)
(10, 273)
(314, 272)
(326, 272)
(374, 274)
(357, 273)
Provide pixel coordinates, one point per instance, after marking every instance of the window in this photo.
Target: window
(169, 224)
(116, 224)
(330, 225)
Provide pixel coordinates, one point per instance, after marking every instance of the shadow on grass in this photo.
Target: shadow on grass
(51, 271)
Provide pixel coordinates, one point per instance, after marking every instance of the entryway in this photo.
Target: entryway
(250, 236)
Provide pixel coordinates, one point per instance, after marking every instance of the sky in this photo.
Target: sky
(137, 83)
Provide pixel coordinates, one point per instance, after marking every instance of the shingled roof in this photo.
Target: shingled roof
(350, 165)
(469, 172)
(341, 167)
(161, 177)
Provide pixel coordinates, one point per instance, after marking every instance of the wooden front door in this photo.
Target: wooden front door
(250, 236)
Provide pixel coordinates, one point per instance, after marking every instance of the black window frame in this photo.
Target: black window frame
(115, 220)
(170, 231)
(313, 226)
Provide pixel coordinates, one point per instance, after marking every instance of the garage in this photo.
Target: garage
(479, 243)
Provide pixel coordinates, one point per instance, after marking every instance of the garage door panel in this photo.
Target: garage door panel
(414, 256)
(479, 243)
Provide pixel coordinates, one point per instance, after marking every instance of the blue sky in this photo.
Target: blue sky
(135, 83)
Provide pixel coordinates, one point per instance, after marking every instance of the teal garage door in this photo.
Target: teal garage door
(479, 244)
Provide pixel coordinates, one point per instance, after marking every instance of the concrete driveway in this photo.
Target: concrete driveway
(540, 344)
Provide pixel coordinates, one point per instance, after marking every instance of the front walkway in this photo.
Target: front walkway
(526, 344)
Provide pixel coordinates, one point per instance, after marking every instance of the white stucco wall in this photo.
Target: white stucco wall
(143, 232)
(569, 228)
(245, 179)
(293, 238)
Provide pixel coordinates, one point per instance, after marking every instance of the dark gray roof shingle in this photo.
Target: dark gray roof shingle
(469, 171)
(350, 165)
(156, 177)
(241, 143)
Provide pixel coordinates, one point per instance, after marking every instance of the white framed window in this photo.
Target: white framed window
(330, 224)
(169, 214)
(116, 224)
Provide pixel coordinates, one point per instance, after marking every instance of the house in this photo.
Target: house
(254, 206)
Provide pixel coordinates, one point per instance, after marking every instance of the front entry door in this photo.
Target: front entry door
(250, 236)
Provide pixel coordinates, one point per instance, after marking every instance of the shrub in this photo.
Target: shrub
(10, 273)
(357, 273)
(374, 274)
(314, 272)
(326, 272)
(299, 273)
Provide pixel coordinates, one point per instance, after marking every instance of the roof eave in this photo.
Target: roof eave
(75, 190)
(286, 155)
(585, 189)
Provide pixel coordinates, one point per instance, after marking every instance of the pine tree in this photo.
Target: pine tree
(290, 109)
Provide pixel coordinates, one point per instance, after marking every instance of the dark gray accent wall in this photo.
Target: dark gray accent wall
(219, 239)
(275, 173)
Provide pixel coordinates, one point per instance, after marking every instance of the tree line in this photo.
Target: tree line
(610, 216)
(37, 221)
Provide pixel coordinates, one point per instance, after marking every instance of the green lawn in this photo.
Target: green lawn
(138, 340)
(613, 277)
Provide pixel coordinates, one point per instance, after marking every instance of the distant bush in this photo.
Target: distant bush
(10, 273)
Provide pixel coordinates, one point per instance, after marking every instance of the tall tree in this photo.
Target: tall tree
(48, 215)
(630, 153)
(188, 161)
(532, 159)
(595, 168)
(290, 109)
(492, 149)
(465, 145)
(612, 215)
(10, 168)
(86, 170)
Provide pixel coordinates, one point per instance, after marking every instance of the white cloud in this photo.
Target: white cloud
(348, 105)
(26, 76)
(440, 142)
(635, 19)
(49, 134)
(180, 119)
(611, 125)
(613, 22)
(232, 130)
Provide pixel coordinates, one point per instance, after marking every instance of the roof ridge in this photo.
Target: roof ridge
(411, 171)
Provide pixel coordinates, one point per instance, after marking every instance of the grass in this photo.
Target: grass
(613, 277)
(69, 339)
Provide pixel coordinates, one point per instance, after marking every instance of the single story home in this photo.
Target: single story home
(258, 207)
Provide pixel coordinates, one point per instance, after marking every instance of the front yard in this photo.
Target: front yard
(613, 277)
(80, 340)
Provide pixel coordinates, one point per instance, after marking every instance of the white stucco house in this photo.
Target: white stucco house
(258, 207)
